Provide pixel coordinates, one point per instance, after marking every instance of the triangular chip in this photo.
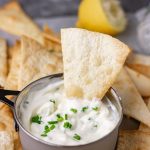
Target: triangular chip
(140, 63)
(141, 82)
(12, 79)
(37, 61)
(142, 126)
(132, 102)
(14, 20)
(92, 62)
(6, 141)
(133, 140)
(3, 62)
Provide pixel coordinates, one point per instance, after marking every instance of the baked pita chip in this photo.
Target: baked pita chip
(49, 43)
(141, 82)
(15, 21)
(13, 75)
(3, 62)
(140, 63)
(92, 62)
(6, 141)
(132, 102)
(37, 61)
(133, 140)
(143, 127)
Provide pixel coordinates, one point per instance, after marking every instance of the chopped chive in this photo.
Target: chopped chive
(76, 137)
(95, 126)
(95, 108)
(74, 110)
(67, 125)
(84, 109)
(90, 118)
(52, 122)
(53, 101)
(47, 129)
(59, 118)
(52, 127)
(36, 119)
(66, 117)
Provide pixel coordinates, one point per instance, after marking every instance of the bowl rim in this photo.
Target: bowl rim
(118, 99)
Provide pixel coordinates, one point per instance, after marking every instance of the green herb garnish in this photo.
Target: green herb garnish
(74, 110)
(36, 119)
(95, 108)
(84, 109)
(52, 122)
(47, 129)
(67, 125)
(59, 118)
(76, 137)
(95, 126)
(66, 117)
(53, 101)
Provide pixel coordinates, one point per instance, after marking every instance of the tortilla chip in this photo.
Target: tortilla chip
(141, 82)
(133, 140)
(13, 75)
(142, 126)
(37, 62)
(6, 141)
(132, 102)
(92, 62)
(3, 62)
(140, 63)
(15, 21)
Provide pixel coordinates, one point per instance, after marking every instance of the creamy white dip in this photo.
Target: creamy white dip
(58, 120)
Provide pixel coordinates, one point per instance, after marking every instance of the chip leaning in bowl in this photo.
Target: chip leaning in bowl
(71, 112)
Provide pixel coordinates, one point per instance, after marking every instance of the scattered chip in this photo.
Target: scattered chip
(133, 140)
(15, 21)
(3, 62)
(12, 79)
(140, 63)
(37, 61)
(92, 62)
(141, 82)
(132, 102)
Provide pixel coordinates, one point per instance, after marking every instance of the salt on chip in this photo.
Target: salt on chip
(141, 82)
(6, 141)
(132, 102)
(37, 61)
(15, 21)
(3, 62)
(133, 140)
(92, 62)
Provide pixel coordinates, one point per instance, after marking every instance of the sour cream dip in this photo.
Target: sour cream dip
(52, 117)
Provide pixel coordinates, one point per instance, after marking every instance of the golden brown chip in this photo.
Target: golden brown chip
(6, 140)
(92, 62)
(3, 62)
(50, 43)
(132, 102)
(13, 75)
(37, 61)
(15, 21)
(133, 140)
(141, 82)
(140, 63)
(142, 126)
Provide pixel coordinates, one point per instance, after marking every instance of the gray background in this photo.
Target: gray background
(53, 8)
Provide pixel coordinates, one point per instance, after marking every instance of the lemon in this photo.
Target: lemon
(104, 16)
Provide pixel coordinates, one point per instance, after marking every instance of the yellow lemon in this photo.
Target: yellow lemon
(104, 16)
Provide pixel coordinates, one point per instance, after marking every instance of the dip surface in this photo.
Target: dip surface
(58, 120)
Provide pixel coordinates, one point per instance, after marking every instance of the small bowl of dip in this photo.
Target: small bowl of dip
(47, 120)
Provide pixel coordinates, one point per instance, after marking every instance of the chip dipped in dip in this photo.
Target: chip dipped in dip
(52, 117)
